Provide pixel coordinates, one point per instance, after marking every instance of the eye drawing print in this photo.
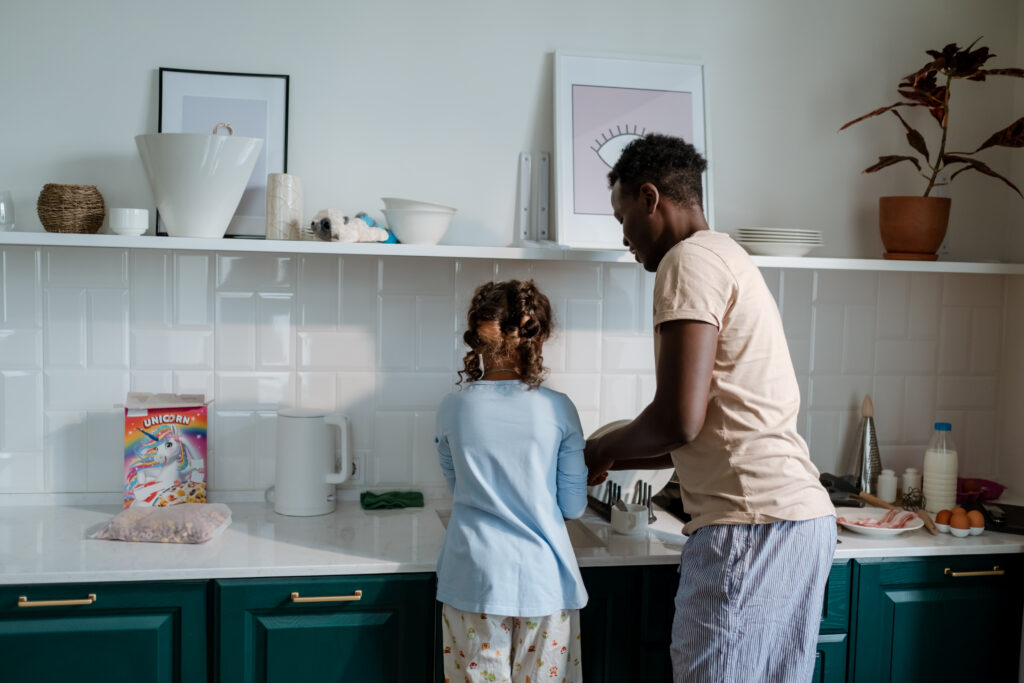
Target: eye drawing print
(609, 147)
(604, 121)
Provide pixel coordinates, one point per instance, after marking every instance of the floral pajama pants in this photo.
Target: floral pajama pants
(499, 649)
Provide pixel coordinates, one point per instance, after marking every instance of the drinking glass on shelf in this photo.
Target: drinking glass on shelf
(6, 211)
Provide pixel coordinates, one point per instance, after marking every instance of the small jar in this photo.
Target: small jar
(911, 479)
(887, 486)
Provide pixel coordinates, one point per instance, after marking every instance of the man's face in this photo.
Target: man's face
(637, 227)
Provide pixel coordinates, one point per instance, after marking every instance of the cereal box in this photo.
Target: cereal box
(164, 449)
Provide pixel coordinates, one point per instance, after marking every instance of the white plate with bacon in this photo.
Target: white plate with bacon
(878, 522)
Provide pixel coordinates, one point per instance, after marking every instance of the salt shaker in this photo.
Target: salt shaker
(912, 489)
(887, 486)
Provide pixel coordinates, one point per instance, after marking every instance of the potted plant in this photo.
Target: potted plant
(914, 227)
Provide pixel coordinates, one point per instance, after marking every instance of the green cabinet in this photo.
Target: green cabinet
(323, 629)
(833, 639)
(626, 627)
(627, 624)
(141, 632)
(932, 619)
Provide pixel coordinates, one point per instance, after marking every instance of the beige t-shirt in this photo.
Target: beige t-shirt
(748, 465)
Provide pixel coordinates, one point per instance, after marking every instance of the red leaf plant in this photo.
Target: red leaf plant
(929, 87)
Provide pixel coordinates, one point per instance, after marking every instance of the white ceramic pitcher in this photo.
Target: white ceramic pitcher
(313, 455)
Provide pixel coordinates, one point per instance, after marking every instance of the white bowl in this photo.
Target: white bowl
(943, 528)
(959, 533)
(197, 180)
(128, 221)
(404, 204)
(417, 226)
(976, 530)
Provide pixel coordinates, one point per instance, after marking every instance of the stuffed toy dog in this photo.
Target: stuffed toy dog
(331, 225)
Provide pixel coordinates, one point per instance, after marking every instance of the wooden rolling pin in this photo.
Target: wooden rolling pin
(878, 502)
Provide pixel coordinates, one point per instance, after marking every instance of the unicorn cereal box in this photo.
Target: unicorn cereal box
(164, 449)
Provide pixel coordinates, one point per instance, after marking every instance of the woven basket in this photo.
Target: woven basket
(70, 208)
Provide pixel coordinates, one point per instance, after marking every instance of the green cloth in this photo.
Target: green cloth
(391, 499)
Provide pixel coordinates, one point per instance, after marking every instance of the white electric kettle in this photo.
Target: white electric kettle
(310, 461)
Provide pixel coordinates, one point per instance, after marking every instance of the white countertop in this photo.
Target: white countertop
(48, 544)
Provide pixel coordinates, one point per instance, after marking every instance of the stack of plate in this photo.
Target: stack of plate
(778, 241)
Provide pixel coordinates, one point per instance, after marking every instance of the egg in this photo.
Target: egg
(958, 510)
(942, 516)
(959, 521)
(976, 519)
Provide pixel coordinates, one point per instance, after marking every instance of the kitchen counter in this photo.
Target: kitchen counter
(48, 544)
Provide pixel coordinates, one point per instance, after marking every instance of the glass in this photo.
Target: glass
(6, 211)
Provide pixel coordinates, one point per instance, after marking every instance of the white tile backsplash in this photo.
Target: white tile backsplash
(379, 339)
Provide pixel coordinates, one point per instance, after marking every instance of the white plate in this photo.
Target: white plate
(627, 479)
(791, 231)
(873, 514)
(776, 248)
(781, 240)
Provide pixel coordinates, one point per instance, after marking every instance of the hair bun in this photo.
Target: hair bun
(529, 329)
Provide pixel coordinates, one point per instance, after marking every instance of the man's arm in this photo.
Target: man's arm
(658, 462)
(686, 357)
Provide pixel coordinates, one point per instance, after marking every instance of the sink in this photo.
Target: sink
(579, 535)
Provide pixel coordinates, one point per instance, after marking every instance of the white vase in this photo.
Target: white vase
(197, 180)
(284, 206)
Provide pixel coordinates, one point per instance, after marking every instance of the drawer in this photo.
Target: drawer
(835, 610)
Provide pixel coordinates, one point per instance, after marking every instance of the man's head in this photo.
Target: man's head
(657, 195)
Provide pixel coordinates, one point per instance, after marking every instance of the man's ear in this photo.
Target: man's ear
(650, 196)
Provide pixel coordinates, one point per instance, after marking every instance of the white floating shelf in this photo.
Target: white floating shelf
(533, 253)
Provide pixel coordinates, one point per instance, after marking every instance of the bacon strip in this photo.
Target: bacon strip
(894, 519)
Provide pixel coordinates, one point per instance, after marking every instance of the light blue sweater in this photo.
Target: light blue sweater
(513, 459)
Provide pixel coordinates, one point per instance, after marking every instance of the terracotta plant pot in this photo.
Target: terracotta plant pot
(913, 228)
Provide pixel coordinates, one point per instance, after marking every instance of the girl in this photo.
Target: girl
(512, 453)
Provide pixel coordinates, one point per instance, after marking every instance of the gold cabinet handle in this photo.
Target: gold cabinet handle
(995, 571)
(356, 595)
(23, 601)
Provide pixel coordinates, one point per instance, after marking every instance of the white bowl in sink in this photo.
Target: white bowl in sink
(197, 180)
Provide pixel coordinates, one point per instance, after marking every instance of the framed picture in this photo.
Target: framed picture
(255, 105)
(602, 103)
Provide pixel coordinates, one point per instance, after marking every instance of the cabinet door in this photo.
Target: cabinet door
(830, 659)
(626, 627)
(938, 619)
(130, 632)
(835, 608)
(364, 628)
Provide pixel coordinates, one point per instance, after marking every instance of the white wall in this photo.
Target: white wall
(79, 328)
(379, 339)
(436, 100)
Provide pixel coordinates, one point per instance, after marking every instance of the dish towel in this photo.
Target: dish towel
(391, 499)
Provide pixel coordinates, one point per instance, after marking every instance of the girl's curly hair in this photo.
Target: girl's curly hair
(524, 319)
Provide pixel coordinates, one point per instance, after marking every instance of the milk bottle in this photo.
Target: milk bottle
(940, 468)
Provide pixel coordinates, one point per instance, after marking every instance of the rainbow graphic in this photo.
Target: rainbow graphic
(165, 456)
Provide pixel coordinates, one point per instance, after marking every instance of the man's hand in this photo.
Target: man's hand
(597, 467)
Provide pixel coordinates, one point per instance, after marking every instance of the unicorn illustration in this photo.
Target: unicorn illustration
(162, 466)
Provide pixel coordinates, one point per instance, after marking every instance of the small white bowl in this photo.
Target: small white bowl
(405, 204)
(943, 528)
(959, 533)
(418, 227)
(128, 221)
(976, 530)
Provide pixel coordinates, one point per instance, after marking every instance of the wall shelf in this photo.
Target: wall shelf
(534, 253)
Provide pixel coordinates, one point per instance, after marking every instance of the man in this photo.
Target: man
(762, 534)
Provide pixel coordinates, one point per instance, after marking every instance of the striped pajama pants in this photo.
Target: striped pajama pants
(749, 602)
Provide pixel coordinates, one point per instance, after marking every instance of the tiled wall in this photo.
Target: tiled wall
(379, 339)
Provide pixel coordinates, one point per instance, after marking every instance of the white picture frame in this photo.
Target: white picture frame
(255, 105)
(601, 103)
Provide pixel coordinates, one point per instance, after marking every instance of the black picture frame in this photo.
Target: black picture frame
(194, 101)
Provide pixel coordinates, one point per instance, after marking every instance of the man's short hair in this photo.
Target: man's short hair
(671, 164)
